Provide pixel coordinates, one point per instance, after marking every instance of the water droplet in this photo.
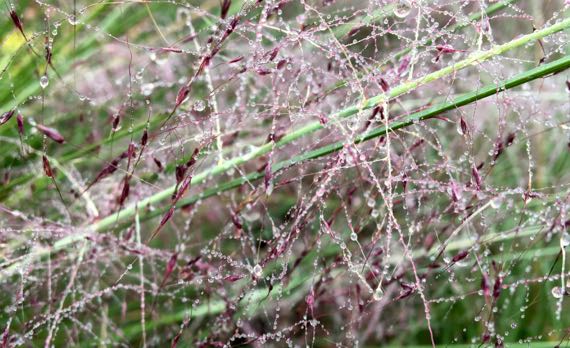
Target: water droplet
(354, 236)
(147, 88)
(402, 9)
(72, 20)
(257, 271)
(557, 292)
(44, 81)
(565, 239)
(378, 294)
(199, 105)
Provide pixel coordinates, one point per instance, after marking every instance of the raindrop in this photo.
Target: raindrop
(402, 9)
(72, 20)
(378, 294)
(199, 105)
(557, 292)
(565, 239)
(257, 271)
(147, 88)
(354, 236)
(44, 81)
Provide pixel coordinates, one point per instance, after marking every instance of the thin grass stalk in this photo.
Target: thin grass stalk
(339, 32)
(397, 91)
(538, 72)
(300, 279)
(486, 91)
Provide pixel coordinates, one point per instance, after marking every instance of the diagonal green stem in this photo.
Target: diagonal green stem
(402, 89)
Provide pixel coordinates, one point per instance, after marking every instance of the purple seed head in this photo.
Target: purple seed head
(16, 20)
(20, 121)
(51, 133)
(6, 116)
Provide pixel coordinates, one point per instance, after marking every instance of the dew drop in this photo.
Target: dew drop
(402, 9)
(199, 105)
(44, 81)
(378, 294)
(557, 292)
(147, 88)
(565, 239)
(257, 271)
(72, 20)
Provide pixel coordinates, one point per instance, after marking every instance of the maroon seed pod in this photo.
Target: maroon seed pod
(175, 340)
(454, 191)
(131, 150)
(376, 110)
(273, 53)
(47, 168)
(51, 133)
(20, 121)
(17, 21)
(6, 337)
(108, 169)
(183, 188)
(460, 256)
(464, 127)
(193, 159)
(158, 164)
(263, 72)
(124, 192)
(169, 268)
(233, 277)
(403, 65)
(485, 285)
(205, 62)
(115, 124)
(165, 218)
(497, 288)
(180, 171)
(128, 235)
(182, 95)
(6, 116)
(281, 64)
(225, 8)
(235, 60)
(48, 54)
(476, 177)
(144, 138)
(384, 85)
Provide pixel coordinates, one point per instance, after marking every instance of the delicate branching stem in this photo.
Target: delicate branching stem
(474, 59)
(533, 74)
